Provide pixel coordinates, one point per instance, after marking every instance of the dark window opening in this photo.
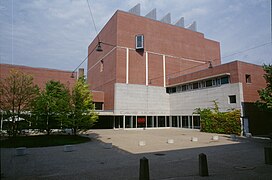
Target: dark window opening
(248, 78)
(232, 99)
(195, 85)
(225, 80)
(98, 105)
(209, 83)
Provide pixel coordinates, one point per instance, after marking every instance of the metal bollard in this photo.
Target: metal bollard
(144, 169)
(203, 165)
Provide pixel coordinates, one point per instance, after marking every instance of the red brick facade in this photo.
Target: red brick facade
(40, 75)
(237, 70)
(184, 51)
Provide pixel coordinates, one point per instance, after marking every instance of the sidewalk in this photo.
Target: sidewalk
(242, 159)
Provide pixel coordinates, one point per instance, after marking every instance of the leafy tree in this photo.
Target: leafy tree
(82, 115)
(51, 106)
(16, 94)
(266, 93)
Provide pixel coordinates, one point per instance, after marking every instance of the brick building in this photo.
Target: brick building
(40, 75)
(155, 74)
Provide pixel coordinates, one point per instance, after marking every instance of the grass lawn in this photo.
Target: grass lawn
(42, 141)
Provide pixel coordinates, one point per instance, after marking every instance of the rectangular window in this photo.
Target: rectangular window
(195, 85)
(139, 42)
(184, 88)
(225, 80)
(98, 105)
(248, 78)
(209, 83)
(232, 99)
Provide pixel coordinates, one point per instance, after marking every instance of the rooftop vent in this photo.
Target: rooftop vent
(166, 19)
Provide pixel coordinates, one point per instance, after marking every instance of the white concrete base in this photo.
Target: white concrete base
(142, 143)
(68, 148)
(215, 138)
(170, 141)
(194, 139)
(21, 151)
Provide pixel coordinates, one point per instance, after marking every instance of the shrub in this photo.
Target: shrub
(214, 121)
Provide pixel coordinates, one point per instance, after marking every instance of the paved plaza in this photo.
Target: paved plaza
(115, 154)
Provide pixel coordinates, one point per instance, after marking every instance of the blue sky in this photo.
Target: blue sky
(56, 33)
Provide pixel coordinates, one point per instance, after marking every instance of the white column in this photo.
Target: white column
(164, 78)
(146, 68)
(152, 121)
(127, 64)
(170, 121)
(165, 121)
(146, 121)
(178, 120)
(157, 121)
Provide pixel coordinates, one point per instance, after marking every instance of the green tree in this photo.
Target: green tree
(16, 94)
(51, 106)
(266, 93)
(82, 115)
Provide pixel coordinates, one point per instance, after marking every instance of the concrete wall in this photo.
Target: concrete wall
(140, 100)
(186, 102)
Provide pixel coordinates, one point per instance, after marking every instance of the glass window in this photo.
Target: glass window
(248, 78)
(184, 88)
(209, 83)
(195, 85)
(139, 41)
(225, 80)
(232, 99)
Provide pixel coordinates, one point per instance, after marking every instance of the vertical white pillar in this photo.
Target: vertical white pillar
(157, 121)
(170, 121)
(164, 78)
(146, 68)
(152, 121)
(127, 64)
(178, 120)
(165, 121)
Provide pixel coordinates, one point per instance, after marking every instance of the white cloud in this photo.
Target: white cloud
(56, 33)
